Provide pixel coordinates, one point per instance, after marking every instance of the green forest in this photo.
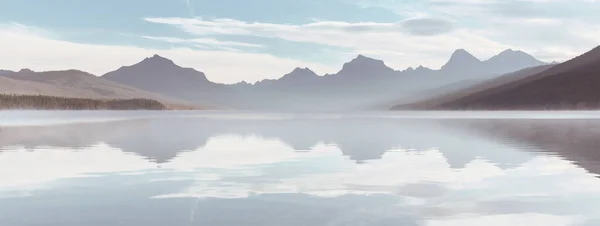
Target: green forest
(41, 102)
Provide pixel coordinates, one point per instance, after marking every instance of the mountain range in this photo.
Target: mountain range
(73, 83)
(568, 85)
(359, 83)
(5, 72)
(362, 83)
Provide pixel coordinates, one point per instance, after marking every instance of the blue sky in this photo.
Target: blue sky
(234, 40)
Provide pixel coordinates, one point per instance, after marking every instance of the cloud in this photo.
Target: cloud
(427, 26)
(31, 49)
(523, 219)
(231, 26)
(46, 165)
(417, 41)
(529, 25)
(235, 152)
(206, 43)
(421, 181)
(19, 28)
(432, 31)
(564, 9)
(190, 8)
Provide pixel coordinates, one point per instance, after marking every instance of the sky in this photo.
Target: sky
(243, 40)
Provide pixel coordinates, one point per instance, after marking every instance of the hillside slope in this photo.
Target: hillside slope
(40, 102)
(75, 84)
(444, 98)
(570, 85)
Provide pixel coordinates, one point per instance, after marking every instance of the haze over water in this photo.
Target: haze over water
(252, 168)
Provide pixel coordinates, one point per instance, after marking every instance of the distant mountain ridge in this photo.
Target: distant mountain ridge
(143, 74)
(360, 82)
(73, 84)
(462, 62)
(509, 60)
(434, 102)
(569, 85)
(5, 72)
(297, 76)
(364, 67)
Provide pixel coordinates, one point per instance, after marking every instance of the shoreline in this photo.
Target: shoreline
(58, 103)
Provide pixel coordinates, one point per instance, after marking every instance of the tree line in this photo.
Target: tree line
(42, 102)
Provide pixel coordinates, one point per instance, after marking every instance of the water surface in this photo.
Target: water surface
(252, 168)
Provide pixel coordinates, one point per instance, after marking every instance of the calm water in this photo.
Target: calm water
(244, 168)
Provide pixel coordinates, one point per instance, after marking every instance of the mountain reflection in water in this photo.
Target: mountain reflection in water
(301, 171)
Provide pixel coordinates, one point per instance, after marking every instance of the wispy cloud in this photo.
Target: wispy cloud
(190, 8)
(40, 53)
(27, 29)
(530, 25)
(207, 43)
(430, 31)
(424, 40)
(574, 9)
(232, 26)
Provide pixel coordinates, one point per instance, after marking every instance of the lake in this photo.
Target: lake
(214, 168)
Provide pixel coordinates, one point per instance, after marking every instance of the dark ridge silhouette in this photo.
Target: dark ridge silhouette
(420, 70)
(299, 74)
(362, 82)
(462, 62)
(27, 71)
(365, 68)
(63, 103)
(458, 91)
(3, 72)
(298, 77)
(511, 59)
(570, 85)
(157, 73)
(160, 75)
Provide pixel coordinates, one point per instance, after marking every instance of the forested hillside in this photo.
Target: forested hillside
(11, 101)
